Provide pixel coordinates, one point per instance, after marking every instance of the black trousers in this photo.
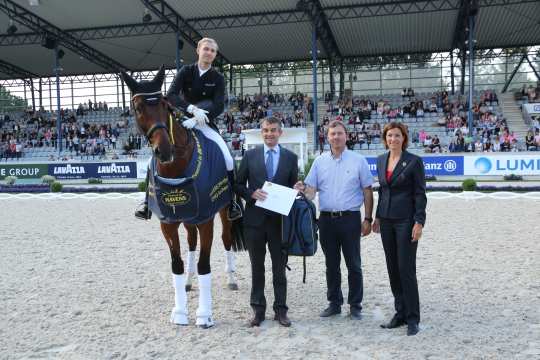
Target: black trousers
(256, 239)
(342, 234)
(400, 254)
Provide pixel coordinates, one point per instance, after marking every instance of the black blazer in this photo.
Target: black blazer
(252, 175)
(404, 197)
(188, 88)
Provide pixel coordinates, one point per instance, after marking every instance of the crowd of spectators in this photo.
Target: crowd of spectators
(38, 129)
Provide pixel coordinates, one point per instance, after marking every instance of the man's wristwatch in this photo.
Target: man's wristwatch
(370, 220)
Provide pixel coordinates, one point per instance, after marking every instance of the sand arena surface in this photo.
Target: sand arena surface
(82, 279)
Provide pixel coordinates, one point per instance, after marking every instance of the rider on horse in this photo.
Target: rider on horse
(200, 90)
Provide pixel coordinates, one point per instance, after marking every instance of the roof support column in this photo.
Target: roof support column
(471, 42)
(332, 82)
(452, 75)
(40, 94)
(341, 79)
(179, 47)
(33, 95)
(314, 74)
(58, 115)
(123, 94)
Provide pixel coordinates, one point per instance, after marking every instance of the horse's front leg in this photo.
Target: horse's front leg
(230, 261)
(179, 314)
(191, 265)
(204, 311)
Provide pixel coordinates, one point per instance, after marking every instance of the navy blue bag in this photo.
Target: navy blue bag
(300, 231)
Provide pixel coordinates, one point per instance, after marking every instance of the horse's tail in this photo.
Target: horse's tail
(237, 233)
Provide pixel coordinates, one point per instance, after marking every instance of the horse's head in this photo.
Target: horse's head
(151, 113)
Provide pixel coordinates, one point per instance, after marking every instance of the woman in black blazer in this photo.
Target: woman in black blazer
(400, 218)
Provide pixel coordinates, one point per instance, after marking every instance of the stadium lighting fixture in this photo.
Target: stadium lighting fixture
(12, 29)
(146, 17)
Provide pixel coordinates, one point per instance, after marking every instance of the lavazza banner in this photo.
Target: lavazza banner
(502, 164)
(114, 170)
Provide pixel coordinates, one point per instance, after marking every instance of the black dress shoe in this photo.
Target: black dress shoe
(143, 213)
(282, 319)
(257, 319)
(331, 311)
(412, 329)
(356, 313)
(394, 323)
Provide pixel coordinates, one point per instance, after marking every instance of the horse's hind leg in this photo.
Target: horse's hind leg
(179, 314)
(230, 263)
(191, 265)
(204, 311)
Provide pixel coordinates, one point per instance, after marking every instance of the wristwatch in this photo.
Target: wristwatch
(368, 219)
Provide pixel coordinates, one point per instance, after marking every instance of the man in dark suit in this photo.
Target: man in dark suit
(273, 163)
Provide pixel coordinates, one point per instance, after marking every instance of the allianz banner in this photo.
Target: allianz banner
(502, 164)
(433, 165)
(23, 171)
(105, 170)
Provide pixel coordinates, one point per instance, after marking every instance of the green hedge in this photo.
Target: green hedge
(469, 185)
(56, 187)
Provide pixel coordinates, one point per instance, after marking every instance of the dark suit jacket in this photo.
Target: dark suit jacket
(404, 197)
(188, 88)
(252, 175)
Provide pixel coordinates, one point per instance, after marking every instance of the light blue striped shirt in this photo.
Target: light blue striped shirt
(340, 181)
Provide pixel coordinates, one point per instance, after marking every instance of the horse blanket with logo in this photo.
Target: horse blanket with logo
(199, 194)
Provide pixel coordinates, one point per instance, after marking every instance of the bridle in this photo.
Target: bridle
(154, 99)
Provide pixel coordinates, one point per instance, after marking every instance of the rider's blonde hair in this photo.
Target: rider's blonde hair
(208, 40)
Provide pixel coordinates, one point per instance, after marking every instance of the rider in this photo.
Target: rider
(200, 90)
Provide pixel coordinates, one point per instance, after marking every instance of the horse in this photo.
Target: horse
(173, 149)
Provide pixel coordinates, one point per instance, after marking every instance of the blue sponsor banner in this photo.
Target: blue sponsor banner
(104, 170)
(433, 165)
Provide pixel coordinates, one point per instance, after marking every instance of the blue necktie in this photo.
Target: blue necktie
(270, 164)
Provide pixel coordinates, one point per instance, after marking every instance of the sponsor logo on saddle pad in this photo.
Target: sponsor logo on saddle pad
(176, 197)
(113, 169)
(68, 169)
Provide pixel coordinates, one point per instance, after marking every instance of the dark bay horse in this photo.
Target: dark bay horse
(173, 148)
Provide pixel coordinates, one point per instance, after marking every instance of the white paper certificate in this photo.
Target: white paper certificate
(279, 199)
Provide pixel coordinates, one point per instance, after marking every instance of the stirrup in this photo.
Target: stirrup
(234, 212)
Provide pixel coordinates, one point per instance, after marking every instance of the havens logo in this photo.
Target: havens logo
(113, 169)
(68, 169)
(176, 197)
(483, 165)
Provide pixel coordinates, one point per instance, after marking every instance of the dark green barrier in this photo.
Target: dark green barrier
(23, 171)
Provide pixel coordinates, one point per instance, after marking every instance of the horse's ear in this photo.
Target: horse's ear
(131, 83)
(160, 76)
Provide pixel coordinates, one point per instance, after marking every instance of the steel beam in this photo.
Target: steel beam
(321, 27)
(17, 72)
(167, 14)
(40, 25)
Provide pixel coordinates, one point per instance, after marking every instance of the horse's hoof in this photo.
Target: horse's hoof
(178, 318)
(205, 322)
(233, 287)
